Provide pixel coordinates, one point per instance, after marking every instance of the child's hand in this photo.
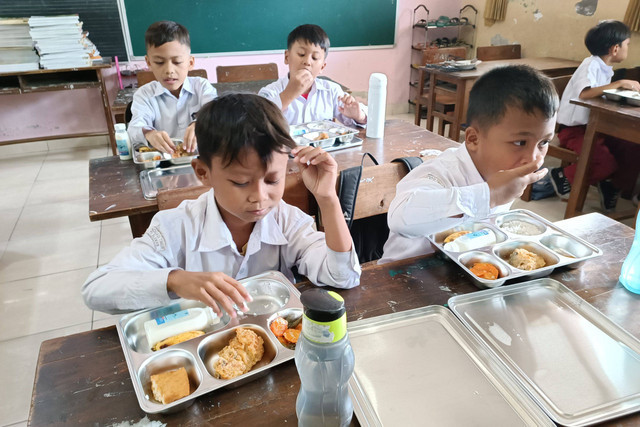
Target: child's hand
(209, 288)
(508, 184)
(319, 171)
(351, 108)
(629, 84)
(300, 82)
(190, 143)
(160, 140)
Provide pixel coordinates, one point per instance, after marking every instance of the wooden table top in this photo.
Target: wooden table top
(83, 378)
(544, 64)
(114, 184)
(610, 107)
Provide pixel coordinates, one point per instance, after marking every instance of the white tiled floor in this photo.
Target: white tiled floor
(48, 246)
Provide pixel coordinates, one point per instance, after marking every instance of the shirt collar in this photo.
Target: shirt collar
(608, 69)
(186, 87)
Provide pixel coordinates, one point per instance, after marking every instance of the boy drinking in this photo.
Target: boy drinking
(302, 96)
(241, 227)
(608, 43)
(511, 116)
(166, 108)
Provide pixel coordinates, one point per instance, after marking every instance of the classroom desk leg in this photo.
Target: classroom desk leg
(140, 222)
(107, 112)
(581, 181)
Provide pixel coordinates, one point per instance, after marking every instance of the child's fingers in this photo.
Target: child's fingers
(535, 176)
(207, 299)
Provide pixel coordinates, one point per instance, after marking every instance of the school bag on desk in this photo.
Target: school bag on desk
(370, 233)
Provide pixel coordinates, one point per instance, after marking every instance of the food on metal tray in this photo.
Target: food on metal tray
(278, 326)
(523, 228)
(453, 236)
(526, 260)
(180, 151)
(485, 270)
(291, 335)
(170, 386)
(287, 331)
(244, 350)
(145, 149)
(176, 339)
(321, 136)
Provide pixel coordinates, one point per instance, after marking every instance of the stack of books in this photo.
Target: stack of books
(16, 46)
(61, 43)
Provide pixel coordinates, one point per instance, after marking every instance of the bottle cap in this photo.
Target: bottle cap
(120, 126)
(325, 318)
(377, 80)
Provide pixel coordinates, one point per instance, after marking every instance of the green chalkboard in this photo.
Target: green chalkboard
(224, 26)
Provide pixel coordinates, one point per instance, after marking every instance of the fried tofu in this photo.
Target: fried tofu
(243, 352)
(170, 386)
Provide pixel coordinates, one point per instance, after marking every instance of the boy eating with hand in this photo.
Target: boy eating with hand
(511, 117)
(302, 96)
(241, 227)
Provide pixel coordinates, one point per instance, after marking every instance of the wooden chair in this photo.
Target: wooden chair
(245, 73)
(492, 53)
(377, 189)
(146, 76)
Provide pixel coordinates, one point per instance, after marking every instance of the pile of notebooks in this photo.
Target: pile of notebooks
(61, 42)
(16, 46)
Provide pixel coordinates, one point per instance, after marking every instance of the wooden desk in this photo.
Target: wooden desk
(83, 378)
(609, 118)
(463, 80)
(63, 79)
(114, 185)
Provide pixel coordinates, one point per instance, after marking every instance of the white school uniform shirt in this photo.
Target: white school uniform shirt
(193, 237)
(321, 103)
(592, 72)
(446, 186)
(154, 107)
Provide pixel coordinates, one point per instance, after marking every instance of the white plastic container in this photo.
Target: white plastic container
(191, 319)
(123, 143)
(474, 240)
(377, 102)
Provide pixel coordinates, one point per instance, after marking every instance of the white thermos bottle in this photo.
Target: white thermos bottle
(377, 102)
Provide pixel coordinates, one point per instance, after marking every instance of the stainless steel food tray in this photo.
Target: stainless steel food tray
(577, 364)
(422, 367)
(273, 295)
(631, 97)
(336, 135)
(172, 177)
(552, 243)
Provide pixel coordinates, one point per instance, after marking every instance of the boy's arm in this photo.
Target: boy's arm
(206, 94)
(594, 92)
(142, 118)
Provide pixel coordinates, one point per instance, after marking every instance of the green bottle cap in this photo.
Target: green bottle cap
(325, 317)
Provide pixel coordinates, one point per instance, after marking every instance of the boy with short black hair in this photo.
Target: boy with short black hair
(302, 96)
(166, 108)
(241, 227)
(511, 117)
(608, 43)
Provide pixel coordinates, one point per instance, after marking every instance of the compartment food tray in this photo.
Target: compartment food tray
(172, 177)
(579, 366)
(273, 295)
(422, 367)
(325, 134)
(631, 97)
(557, 246)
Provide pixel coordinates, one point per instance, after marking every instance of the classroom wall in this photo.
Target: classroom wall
(55, 113)
(553, 28)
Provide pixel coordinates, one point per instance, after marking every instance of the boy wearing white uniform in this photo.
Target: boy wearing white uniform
(239, 228)
(166, 108)
(302, 96)
(511, 117)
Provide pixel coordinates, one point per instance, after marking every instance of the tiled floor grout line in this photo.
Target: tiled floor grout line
(45, 332)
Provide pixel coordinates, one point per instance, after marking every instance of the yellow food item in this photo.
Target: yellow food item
(176, 339)
(170, 386)
(453, 236)
(145, 149)
(526, 260)
(321, 136)
(243, 352)
(485, 270)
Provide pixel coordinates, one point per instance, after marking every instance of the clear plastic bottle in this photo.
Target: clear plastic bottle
(475, 240)
(376, 102)
(190, 319)
(325, 362)
(122, 141)
(630, 273)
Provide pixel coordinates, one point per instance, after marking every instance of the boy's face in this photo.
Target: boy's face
(620, 51)
(519, 138)
(245, 190)
(304, 55)
(170, 64)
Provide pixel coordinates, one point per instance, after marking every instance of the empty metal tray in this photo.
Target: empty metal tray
(578, 365)
(173, 177)
(422, 367)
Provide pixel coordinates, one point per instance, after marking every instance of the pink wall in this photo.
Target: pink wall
(56, 113)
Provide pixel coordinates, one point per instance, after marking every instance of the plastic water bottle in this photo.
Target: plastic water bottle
(122, 141)
(325, 361)
(630, 273)
(377, 101)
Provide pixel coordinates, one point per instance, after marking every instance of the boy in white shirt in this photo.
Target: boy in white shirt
(166, 108)
(241, 227)
(302, 96)
(511, 117)
(608, 43)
